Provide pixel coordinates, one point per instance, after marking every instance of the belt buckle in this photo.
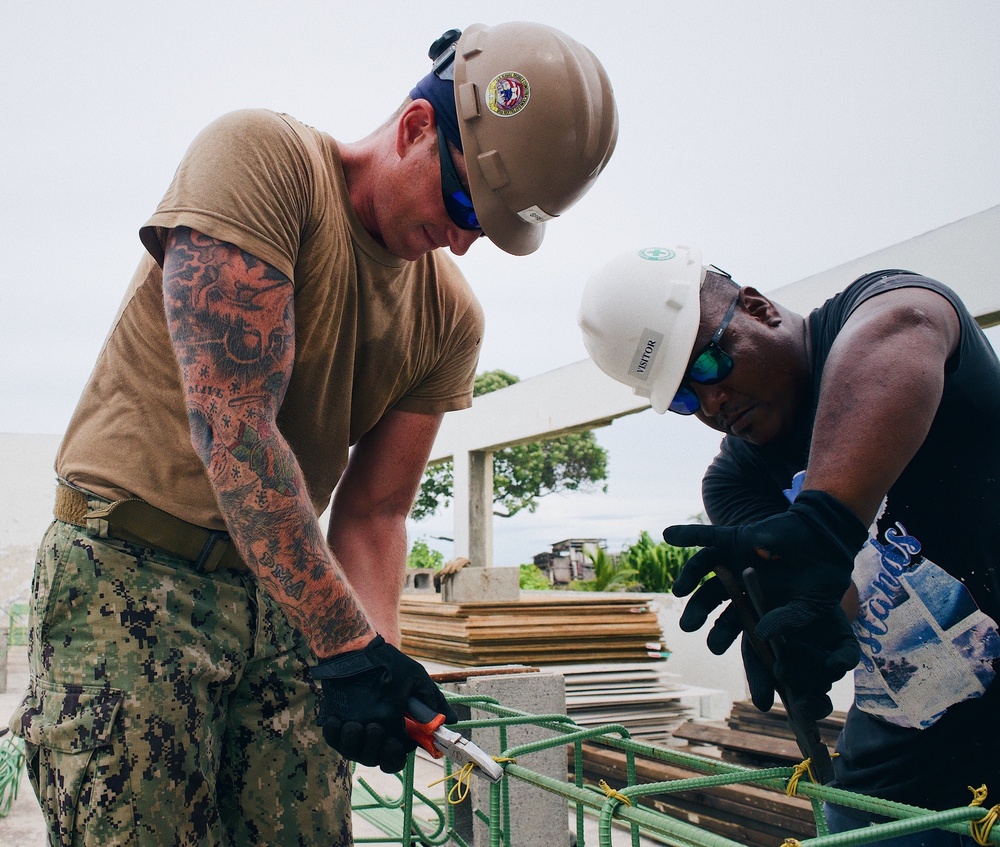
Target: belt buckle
(212, 551)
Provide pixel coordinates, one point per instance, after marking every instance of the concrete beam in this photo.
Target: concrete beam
(571, 398)
(964, 255)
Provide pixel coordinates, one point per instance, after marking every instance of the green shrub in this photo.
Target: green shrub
(655, 565)
(610, 574)
(422, 556)
(533, 578)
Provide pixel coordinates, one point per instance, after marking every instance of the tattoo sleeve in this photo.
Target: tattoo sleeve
(231, 320)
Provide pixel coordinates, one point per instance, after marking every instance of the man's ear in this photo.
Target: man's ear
(415, 123)
(759, 307)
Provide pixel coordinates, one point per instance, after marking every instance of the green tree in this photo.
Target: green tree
(525, 473)
(422, 556)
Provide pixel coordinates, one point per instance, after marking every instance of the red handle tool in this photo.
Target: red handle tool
(421, 724)
(424, 726)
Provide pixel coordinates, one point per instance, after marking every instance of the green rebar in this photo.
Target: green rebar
(12, 752)
(902, 819)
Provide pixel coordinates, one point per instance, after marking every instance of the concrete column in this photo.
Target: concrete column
(481, 509)
(461, 497)
(538, 818)
(473, 499)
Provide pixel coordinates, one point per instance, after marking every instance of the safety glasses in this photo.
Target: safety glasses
(711, 365)
(456, 199)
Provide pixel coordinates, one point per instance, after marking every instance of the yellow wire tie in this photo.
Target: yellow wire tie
(463, 780)
(610, 792)
(981, 829)
(803, 767)
(978, 795)
(791, 842)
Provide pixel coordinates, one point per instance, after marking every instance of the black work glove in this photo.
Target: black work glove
(803, 558)
(364, 703)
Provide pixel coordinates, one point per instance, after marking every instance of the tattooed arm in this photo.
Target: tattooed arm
(232, 324)
(368, 520)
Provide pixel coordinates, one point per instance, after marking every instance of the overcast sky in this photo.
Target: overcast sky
(783, 137)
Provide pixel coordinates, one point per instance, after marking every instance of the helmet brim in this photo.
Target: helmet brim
(674, 367)
(533, 152)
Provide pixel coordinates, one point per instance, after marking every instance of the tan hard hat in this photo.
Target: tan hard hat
(538, 123)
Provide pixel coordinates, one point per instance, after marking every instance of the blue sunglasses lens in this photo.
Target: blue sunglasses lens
(457, 202)
(712, 365)
(460, 210)
(685, 402)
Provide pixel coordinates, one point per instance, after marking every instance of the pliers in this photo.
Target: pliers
(425, 727)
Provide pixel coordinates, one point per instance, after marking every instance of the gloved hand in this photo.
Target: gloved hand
(807, 663)
(364, 701)
(803, 558)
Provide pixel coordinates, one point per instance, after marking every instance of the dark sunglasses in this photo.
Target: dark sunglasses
(711, 365)
(456, 199)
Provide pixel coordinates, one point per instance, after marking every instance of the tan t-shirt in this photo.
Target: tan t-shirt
(372, 331)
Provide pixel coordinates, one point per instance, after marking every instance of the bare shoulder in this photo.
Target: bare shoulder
(910, 310)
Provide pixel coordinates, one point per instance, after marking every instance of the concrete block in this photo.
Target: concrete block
(419, 581)
(482, 585)
(538, 817)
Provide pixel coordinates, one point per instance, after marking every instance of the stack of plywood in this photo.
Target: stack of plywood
(607, 647)
(566, 627)
(642, 696)
(757, 739)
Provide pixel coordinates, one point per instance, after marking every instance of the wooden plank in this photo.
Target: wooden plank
(748, 814)
(463, 674)
(765, 746)
(746, 717)
(741, 828)
(774, 802)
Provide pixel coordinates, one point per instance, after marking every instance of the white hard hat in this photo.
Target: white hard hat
(640, 316)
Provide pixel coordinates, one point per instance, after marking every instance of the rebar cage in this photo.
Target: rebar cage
(410, 817)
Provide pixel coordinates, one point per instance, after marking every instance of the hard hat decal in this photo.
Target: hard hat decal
(645, 354)
(657, 254)
(534, 215)
(507, 94)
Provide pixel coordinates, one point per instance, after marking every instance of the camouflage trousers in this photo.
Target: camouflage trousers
(171, 707)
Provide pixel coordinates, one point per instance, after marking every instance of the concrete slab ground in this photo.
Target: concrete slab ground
(23, 827)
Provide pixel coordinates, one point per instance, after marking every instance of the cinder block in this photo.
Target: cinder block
(479, 585)
(420, 581)
(538, 817)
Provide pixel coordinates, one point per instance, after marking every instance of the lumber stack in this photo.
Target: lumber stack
(747, 718)
(567, 627)
(607, 647)
(642, 696)
(747, 814)
(757, 739)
